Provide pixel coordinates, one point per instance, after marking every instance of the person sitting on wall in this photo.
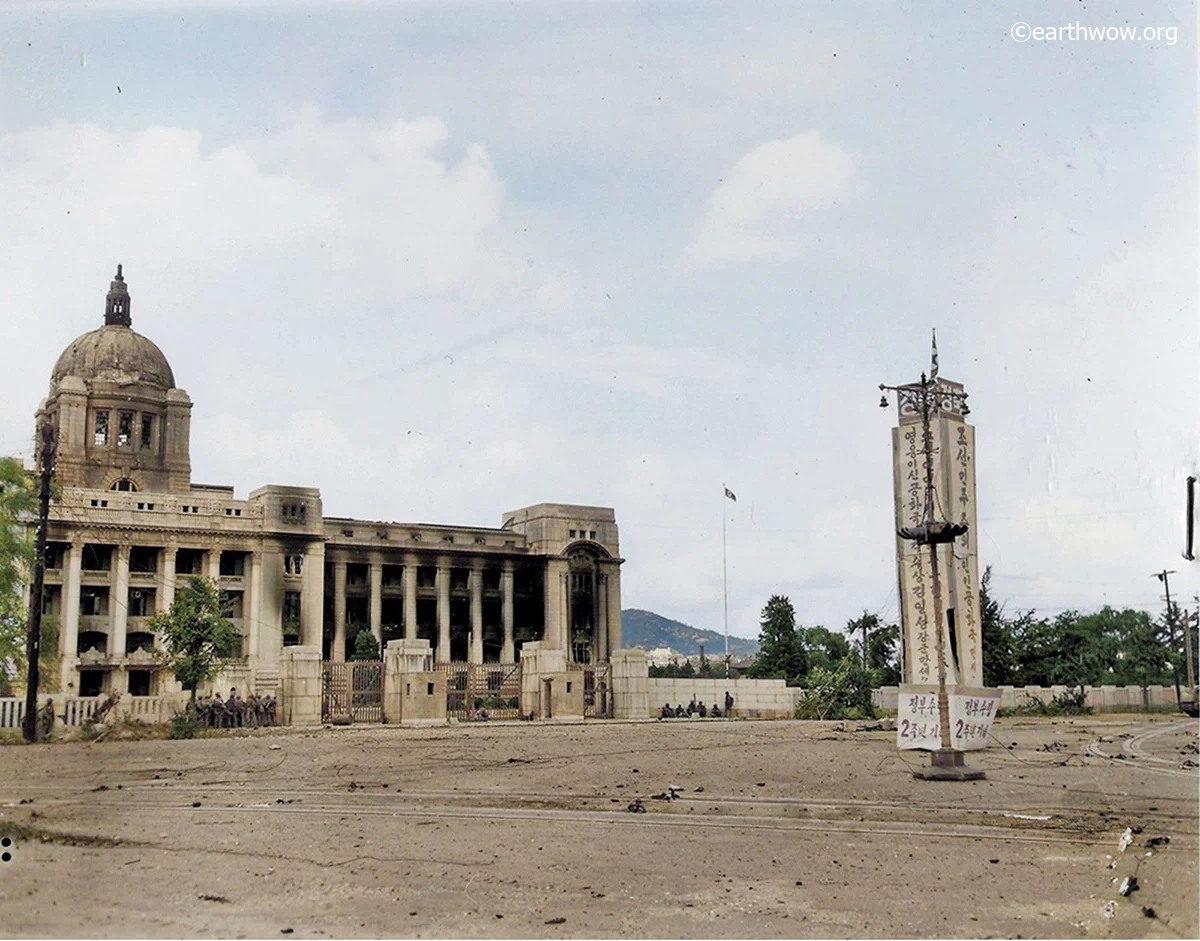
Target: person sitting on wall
(728, 705)
(679, 712)
(702, 709)
(691, 709)
(716, 711)
(667, 712)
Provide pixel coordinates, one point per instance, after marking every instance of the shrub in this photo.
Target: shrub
(185, 725)
(844, 693)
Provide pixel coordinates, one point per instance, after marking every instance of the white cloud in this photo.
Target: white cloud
(769, 204)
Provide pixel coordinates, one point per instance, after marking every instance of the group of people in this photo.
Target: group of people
(698, 709)
(234, 713)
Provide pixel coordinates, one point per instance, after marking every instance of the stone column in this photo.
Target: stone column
(442, 654)
(250, 601)
(118, 604)
(613, 573)
(338, 654)
(212, 565)
(166, 582)
(475, 654)
(410, 597)
(69, 642)
(507, 653)
(376, 602)
(312, 597)
(555, 601)
(600, 635)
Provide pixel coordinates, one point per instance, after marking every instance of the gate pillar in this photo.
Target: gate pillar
(300, 679)
(413, 692)
(630, 684)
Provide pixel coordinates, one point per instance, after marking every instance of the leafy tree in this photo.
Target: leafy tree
(882, 661)
(781, 654)
(17, 500)
(365, 646)
(196, 634)
(999, 653)
(825, 648)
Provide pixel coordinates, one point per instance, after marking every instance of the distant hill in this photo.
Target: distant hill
(646, 629)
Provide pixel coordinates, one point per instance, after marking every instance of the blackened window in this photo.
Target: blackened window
(101, 438)
(147, 430)
(125, 429)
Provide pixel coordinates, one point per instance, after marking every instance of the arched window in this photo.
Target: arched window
(124, 484)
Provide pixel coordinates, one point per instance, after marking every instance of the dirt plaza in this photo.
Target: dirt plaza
(777, 829)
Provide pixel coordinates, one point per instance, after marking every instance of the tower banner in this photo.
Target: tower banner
(972, 711)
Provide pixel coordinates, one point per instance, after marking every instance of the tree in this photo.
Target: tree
(17, 500)
(999, 655)
(882, 661)
(365, 646)
(824, 648)
(780, 655)
(196, 635)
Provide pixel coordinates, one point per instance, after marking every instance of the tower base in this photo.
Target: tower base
(948, 764)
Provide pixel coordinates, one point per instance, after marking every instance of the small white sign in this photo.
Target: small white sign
(972, 710)
(917, 718)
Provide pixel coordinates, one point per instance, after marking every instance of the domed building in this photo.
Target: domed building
(121, 423)
(131, 523)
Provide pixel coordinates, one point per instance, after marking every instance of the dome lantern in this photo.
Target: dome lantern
(116, 304)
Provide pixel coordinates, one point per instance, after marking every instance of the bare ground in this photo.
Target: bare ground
(782, 829)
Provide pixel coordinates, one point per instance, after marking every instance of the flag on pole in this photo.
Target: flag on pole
(729, 493)
(933, 369)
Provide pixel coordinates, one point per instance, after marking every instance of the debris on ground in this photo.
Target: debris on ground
(636, 806)
(1109, 910)
(1129, 885)
(699, 790)
(274, 747)
(1126, 839)
(556, 921)
(1149, 912)
(993, 861)
(869, 727)
(100, 787)
(518, 761)
(1158, 841)
(1030, 816)
(213, 898)
(195, 803)
(674, 790)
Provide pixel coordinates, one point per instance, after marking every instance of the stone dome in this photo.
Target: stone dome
(114, 352)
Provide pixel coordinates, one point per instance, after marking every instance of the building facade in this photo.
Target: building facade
(130, 523)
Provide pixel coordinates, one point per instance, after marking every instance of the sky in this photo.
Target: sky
(443, 260)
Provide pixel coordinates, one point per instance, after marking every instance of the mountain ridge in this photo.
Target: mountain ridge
(641, 628)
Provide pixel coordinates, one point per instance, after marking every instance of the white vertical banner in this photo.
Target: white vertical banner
(972, 711)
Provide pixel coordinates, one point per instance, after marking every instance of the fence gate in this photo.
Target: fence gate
(352, 691)
(597, 689)
(479, 691)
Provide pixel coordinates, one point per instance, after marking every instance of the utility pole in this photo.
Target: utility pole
(947, 763)
(1164, 577)
(33, 643)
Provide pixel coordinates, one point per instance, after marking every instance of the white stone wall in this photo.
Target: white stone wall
(751, 698)
(1099, 698)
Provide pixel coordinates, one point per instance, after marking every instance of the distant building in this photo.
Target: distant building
(131, 522)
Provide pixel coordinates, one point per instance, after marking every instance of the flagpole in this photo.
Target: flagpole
(725, 576)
